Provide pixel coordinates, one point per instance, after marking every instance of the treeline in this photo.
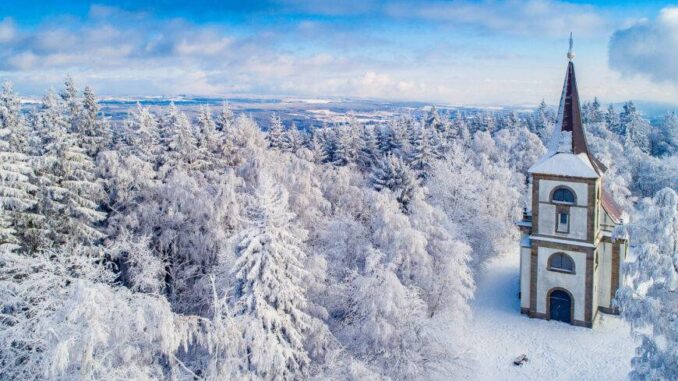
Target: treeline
(167, 247)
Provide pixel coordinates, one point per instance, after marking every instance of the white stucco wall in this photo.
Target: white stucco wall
(578, 212)
(525, 277)
(604, 274)
(574, 283)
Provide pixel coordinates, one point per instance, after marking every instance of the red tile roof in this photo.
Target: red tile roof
(611, 207)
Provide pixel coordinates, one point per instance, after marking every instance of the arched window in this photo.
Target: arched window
(563, 195)
(561, 262)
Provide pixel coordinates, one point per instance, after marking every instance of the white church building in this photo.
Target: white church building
(570, 263)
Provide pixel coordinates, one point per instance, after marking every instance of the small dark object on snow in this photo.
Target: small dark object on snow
(520, 360)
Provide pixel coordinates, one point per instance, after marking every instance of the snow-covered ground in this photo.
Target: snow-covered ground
(556, 351)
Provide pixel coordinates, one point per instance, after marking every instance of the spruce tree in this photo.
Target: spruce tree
(268, 297)
(69, 194)
(368, 152)
(275, 132)
(94, 130)
(17, 188)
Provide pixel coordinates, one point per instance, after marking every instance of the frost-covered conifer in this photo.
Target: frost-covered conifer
(182, 145)
(269, 297)
(275, 132)
(292, 139)
(421, 154)
(391, 173)
(634, 128)
(144, 135)
(226, 118)
(208, 134)
(341, 154)
(650, 301)
(69, 195)
(17, 179)
(69, 95)
(368, 152)
(94, 131)
(612, 120)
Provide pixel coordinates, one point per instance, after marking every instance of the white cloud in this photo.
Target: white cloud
(7, 30)
(649, 48)
(517, 17)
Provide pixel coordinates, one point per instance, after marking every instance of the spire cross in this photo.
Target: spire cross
(570, 53)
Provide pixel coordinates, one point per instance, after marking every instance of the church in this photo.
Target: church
(570, 261)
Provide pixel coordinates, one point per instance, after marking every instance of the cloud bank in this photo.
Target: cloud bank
(458, 52)
(649, 48)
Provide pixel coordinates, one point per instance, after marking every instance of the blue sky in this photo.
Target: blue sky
(456, 52)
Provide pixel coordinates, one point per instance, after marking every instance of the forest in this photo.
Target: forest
(214, 248)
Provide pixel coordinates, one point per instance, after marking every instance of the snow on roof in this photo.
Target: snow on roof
(565, 164)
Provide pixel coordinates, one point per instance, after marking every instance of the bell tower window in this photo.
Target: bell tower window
(563, 223)
(563, 196)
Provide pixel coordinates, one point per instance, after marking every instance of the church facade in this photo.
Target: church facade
(570, 260)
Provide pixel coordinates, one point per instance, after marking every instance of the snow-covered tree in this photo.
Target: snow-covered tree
(62, 318)
(421, 154)
(17, 190)
(650, 301)
(68, 194)
(180, 142)
(143, 135)
(275, 132)
(634, 128)
(226, 118)
(665, 138)
(69, 96)
(391, 173)
(268, 296)
(368, 151)
(94, 131)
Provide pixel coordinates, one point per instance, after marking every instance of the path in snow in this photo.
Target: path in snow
(556, 351)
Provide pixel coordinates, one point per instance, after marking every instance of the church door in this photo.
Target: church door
(560, 305)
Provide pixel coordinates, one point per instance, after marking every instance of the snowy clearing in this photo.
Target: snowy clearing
(556, 351)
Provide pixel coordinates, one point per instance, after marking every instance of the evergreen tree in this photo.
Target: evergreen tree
(650, 301)
(292, 139)
(181, 145)
(367, 151)
(269, 297)
(665, 139)
(634, 128)
(421, 155)
(94, 131)
(341, 155)
(8, 238)
(391, 173)
(208, 139)
(69, 193)
(542, 124)
(144, 135)
(226, 118)
(434, 120)
(612, 120)
(275, 132)
(17, 190)
(69, 95)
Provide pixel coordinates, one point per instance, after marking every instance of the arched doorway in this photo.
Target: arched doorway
(560, 306)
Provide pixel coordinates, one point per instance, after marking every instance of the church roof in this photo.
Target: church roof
(566, 164)
(611, 207)
(568, 142)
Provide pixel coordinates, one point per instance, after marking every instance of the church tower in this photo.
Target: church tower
(569, 260)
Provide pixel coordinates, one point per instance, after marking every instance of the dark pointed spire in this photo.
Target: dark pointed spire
(569, 134)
